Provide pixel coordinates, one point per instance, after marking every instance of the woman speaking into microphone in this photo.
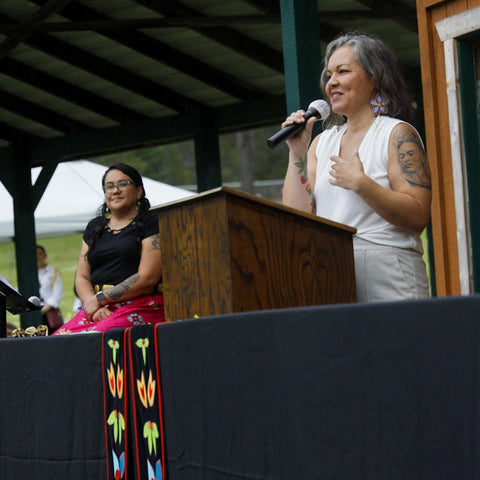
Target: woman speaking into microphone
(368, 169)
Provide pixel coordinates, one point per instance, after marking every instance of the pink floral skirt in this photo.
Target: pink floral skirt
(144, 310)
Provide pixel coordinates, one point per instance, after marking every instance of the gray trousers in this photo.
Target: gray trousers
(388, 273)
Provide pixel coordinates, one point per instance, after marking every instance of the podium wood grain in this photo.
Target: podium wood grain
(226, 251)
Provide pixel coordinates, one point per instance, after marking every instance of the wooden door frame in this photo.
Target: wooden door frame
(450, 29)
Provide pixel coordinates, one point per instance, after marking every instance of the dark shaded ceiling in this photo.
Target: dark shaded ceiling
(81, 69)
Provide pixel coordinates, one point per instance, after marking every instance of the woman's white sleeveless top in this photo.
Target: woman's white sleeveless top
(344, 206)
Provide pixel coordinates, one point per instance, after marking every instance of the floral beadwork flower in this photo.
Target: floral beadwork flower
(121, 304)
(85, 321)
(136, 319)
(379, 105)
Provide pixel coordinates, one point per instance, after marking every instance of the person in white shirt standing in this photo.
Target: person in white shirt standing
(51, 291)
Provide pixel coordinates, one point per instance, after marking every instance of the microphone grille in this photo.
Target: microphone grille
(35, 300)
(322, 107)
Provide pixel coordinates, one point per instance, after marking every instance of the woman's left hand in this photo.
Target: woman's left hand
(347, 172)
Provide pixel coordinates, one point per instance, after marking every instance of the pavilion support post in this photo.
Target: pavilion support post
(301, 52)
(207, 151)
(25, 239)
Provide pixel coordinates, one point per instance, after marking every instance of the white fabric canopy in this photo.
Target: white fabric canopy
(73, 197)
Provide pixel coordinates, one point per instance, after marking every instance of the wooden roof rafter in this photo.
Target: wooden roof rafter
(400, 11)
(163, 53)
(48, 9)
(107, 70)
(225, 36)
(71, 93)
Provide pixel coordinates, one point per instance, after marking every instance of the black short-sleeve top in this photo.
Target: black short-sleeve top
(116, 256)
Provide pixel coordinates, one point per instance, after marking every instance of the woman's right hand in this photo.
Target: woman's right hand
(298, 144)
(91, 306)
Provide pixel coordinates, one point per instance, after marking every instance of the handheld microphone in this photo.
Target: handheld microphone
(318, 108)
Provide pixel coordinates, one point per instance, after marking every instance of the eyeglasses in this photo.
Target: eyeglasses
(121, 185)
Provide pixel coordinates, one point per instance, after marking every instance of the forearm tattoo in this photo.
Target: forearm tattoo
(156, 242)
(117, 291)
(303, 174)
(413, 161)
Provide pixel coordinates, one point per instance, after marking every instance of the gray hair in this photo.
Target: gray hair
(382, 66)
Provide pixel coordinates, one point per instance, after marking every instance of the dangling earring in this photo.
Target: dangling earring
(137, 207)
(107, 214)
(379, 105)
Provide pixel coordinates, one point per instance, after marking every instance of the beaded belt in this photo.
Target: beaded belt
(99, 288)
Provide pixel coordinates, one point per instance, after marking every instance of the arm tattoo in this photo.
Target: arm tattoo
(412, 160)
(303, 173)
(156, 242)
(117, 291)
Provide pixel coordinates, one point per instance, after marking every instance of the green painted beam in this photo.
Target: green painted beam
(25, 239)
(250, 114)
(301, 52)
(207, 152)
(100, 141)
(42, 182)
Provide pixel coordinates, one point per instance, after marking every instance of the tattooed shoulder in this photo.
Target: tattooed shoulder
(412, 159)
(156, 241)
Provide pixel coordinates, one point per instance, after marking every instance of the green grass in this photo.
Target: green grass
(62, 252)
(426, 258)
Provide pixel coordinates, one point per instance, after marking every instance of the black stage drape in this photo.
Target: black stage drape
(366, 391)
(386, 391)
(51, 408)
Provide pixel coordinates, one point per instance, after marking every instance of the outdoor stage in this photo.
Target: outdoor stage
(366, 391)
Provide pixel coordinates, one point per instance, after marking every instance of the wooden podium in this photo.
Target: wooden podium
(225, 251)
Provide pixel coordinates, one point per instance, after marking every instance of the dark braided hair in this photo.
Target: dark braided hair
(143, 205)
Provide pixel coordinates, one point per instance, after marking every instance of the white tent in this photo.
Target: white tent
(73, 197)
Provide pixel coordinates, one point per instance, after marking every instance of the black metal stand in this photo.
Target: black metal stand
(14, 302)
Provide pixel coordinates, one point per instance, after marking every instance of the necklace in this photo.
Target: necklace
(113, 230)
(118, 230)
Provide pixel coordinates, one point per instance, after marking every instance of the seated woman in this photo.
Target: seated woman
(119, 269)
